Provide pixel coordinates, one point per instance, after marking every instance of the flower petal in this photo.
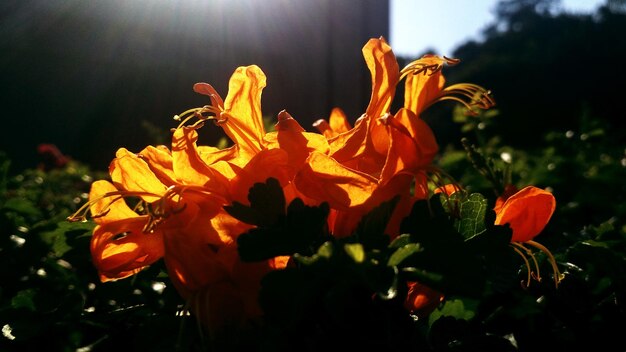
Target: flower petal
(120, 248)
(421, 89)
(109, 208)
(242, 107)
(383, 66)
(131, 173)
(412, 145)
(527, 212)
(325, 179)
(189, 167)
(159, 160)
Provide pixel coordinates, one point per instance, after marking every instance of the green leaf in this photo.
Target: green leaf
(446, 258)
(468, 211)
(24, 299)
(464, 309)
(402, 253)
(472, 212)
(57, 238)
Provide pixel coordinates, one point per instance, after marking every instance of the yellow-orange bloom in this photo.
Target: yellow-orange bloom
(180, 192)
(395, 150)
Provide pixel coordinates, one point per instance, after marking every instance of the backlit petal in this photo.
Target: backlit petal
(421, 89)
(120, 248)
(131, 173)
(242, 107)
(527, 212)
(327, 180)
(109, 208)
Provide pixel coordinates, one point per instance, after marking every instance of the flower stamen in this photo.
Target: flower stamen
(82, 213)
(418, 66)
(207, 112)
(472, 96)
(558, 276)
(528, 268)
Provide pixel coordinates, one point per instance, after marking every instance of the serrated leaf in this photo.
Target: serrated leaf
(267, 204)
(402, 253)
(446, 262)
(297, 232)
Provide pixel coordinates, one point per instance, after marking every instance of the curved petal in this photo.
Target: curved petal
(159, 160)
(189, 167)
(242, 107)
(268, 163)
(201, 253)
(108, 208)
(324, 179)
(293, 139)
(412, 145)
(383, 66)
(385, 73)
(120, 248)
(369, 137)
(208, 90)
(421, 89)
(337, 123)
(527, 212)
(131, 173)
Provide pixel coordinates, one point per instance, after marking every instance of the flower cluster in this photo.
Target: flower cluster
(172, 203)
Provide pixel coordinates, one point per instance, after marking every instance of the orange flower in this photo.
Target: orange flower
(395, 150)
(180, 216)
(527, 212)
(180, 193)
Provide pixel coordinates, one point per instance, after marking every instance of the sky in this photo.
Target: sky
(418, 25)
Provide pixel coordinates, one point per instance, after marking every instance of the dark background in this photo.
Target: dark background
(93, 76)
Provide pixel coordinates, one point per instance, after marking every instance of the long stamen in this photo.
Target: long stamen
(528, 268)
(470, 95)
(207, 112)
(160, 210)
(537, 273)
(81, 213)
(418, 66)
(557, 274)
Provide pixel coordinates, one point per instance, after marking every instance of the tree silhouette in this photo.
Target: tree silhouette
(549, 69)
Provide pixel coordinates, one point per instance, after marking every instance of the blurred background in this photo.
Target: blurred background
(94, 76)
(90, 77)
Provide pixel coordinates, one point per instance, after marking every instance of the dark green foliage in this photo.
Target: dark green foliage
(278, 231)
(50, 293)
